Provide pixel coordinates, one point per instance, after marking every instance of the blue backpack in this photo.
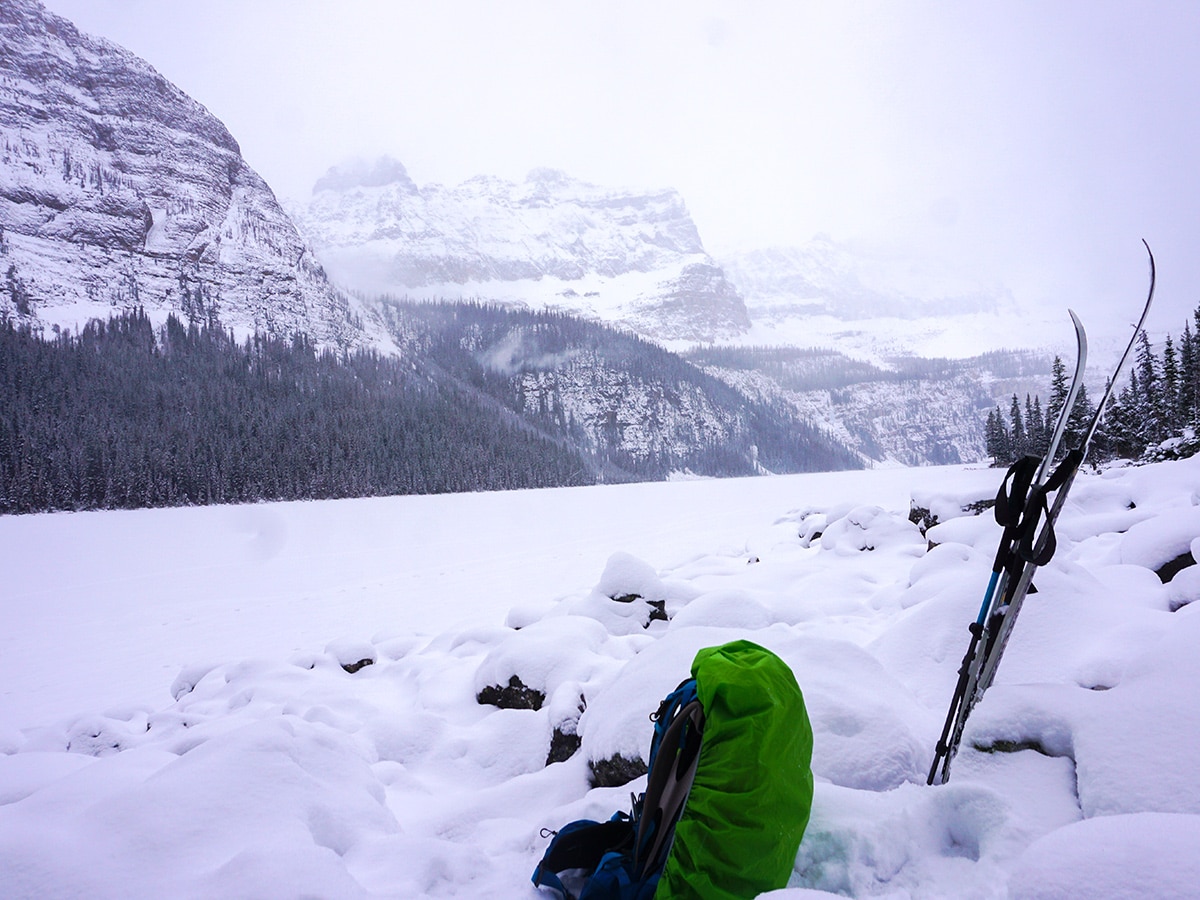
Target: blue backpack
(623, 858)
(727, 798)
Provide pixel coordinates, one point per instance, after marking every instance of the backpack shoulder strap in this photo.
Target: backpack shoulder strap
(674, 754)
(581, 845)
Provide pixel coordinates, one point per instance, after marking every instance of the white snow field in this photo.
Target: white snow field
(176, 721)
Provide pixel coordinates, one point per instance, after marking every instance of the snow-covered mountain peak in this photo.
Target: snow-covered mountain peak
(363, 174)
(631, 257)
(550, 178)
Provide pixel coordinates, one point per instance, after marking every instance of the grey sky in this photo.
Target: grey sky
(1032, 141)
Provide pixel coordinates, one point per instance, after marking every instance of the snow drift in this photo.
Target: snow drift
(301, 760)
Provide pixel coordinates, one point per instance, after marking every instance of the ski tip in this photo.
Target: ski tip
(1150, 293)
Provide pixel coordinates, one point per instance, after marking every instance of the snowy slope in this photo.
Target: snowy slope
(913, 422)
(119, 190)
(551, 241)
(873, 303)
(177, 720)
(852, 282)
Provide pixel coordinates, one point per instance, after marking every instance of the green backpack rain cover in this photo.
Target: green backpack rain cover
(750, 801)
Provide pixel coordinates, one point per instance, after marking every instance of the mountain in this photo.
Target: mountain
(551, 241)
(118, 190)
(129, 218)
(873, 302)
(909, 411)
(632, 409)
(826, 277)
(636, 260)
(121, 414)
(555, 243)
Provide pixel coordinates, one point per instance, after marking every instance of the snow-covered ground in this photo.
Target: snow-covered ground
(175, 719)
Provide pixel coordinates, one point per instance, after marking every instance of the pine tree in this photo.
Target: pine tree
(1132, 433)
(1059, 389)
(1033, 428)
(1148, 409)
(1189, 378)
(1172, 424)
(1102, 441)
(1041, 428)
(998, 445)
(1078, 419)
(1018, 440)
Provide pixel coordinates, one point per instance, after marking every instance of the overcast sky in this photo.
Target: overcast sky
(1034, 142)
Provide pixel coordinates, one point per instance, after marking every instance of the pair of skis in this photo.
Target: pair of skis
(1021, 503)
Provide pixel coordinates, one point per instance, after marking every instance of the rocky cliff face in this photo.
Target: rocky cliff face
(117, 189)
(550, 241)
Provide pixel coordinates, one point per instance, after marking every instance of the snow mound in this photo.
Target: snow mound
(1114, 857)
(1154, 543)
(627, 576)
(868, 527)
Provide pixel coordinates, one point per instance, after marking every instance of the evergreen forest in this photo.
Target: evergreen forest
(124, 414)
(119, 416)
(1155, 415)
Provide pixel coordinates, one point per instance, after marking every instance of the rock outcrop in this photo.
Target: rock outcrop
(118, 190)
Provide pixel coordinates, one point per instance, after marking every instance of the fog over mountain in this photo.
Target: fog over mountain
(1027, 143)
(633, 258)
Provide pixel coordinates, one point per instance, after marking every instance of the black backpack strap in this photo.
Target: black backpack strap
(580, 845)
(668, 786)
(1010, 502)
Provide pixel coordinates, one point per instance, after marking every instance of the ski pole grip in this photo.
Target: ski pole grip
(1011, 501)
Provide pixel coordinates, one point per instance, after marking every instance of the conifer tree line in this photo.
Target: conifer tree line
(126, 415)
(1028, 427)
(1155, 415)
(119, 416)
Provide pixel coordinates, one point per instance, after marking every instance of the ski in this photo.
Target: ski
(1026, 473)
(1036, 550)
(1023, 548)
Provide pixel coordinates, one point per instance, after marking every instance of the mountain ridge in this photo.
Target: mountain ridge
(118, 190)
(632, 258)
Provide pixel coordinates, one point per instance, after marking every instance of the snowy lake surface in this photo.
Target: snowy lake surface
(175, 718)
